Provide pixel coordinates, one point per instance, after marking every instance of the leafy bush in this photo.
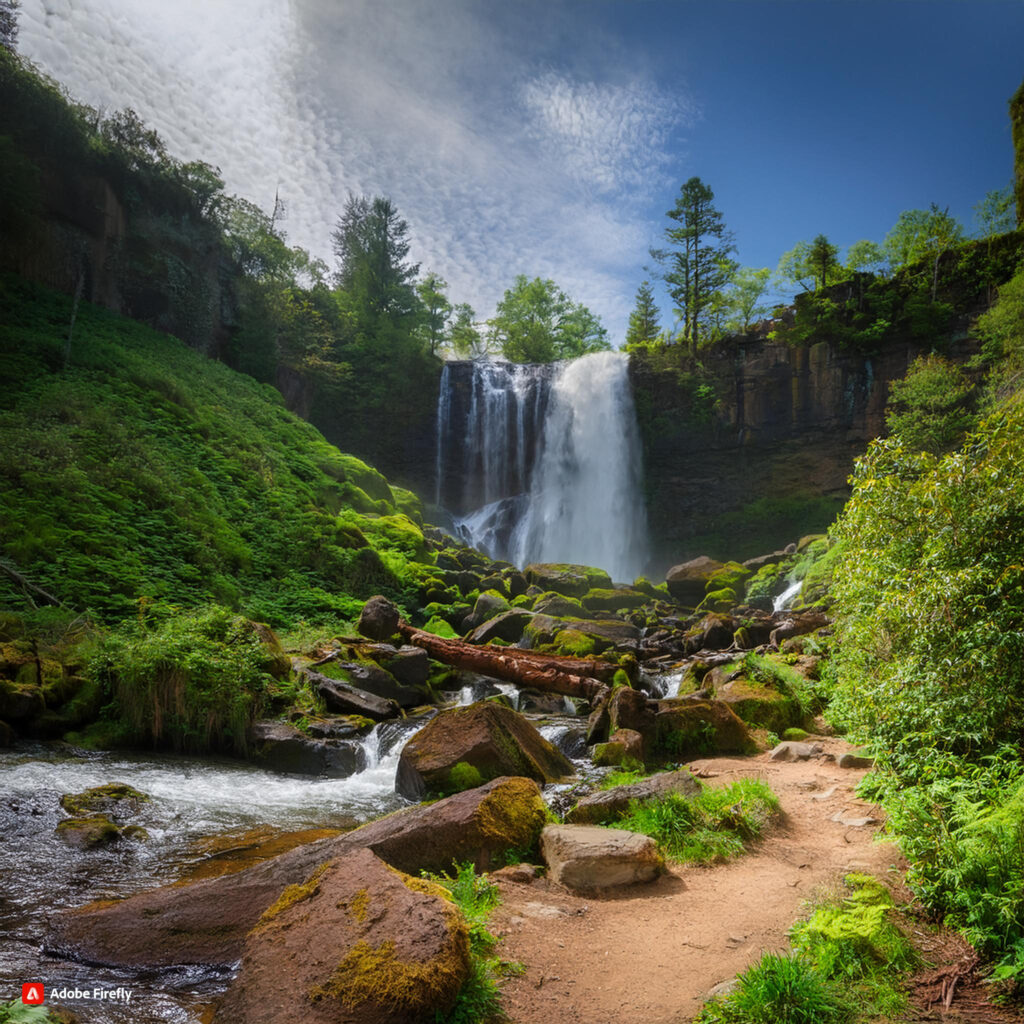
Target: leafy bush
(713, 825)
(929, 408)
(193, 681)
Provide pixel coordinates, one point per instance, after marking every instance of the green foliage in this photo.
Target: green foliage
(192, 681)
(624, 776)
(146, 470)
(1001, 330)
(16, 1012)
(712, 826)
(476, 896)
(770, 671)
(463, 775)
(536, 322)
(929, 408)
(779, 989)
(1017, 130)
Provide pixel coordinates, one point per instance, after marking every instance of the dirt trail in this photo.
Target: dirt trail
(650, 954)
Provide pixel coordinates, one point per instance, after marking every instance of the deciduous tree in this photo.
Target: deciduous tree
(920, 235)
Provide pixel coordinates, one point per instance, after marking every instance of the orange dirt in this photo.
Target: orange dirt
(651, 954)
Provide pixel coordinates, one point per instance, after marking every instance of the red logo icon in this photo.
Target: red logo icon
(32, 993)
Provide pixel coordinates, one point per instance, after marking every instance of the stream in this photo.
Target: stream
(195, 803)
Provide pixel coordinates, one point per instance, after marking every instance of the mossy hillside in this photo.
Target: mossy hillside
(141, 469)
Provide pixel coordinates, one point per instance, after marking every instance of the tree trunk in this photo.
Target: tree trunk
(572, 677)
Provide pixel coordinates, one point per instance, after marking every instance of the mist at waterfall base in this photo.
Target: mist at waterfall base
(542, 462)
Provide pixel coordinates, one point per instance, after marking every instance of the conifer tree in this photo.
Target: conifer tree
(644, 321)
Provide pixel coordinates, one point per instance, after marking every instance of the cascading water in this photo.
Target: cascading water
(542, 463)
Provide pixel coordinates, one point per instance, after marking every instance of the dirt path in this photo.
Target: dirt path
(650, 954)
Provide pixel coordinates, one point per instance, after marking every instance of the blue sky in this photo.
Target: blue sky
(549, 138)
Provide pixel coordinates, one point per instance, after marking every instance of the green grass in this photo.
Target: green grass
(479, 1000)
(143, 469)
(714, 825)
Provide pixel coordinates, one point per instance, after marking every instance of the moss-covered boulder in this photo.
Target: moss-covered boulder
(489, 604)
(687, 582)
(720, 600)
(691, 728)
(493, 739)
(760, 705)
(356, 941)
(115, 798)
(20, 701)
(571, 580)
(507, 625)
(560, 606)
(602, 599)
(94, 831)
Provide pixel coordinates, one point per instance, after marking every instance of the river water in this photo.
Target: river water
(192, 800)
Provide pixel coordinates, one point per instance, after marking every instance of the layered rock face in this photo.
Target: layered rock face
(755, 449)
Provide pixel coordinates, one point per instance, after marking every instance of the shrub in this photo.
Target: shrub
(193, 681)
(710, 826)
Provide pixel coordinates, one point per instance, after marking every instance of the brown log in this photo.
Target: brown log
(525, 668)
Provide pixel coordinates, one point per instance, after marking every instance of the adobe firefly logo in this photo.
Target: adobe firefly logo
(32, 993)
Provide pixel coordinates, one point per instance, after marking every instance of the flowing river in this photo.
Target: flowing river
(197, 805)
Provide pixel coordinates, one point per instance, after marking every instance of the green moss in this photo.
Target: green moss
(796, 735)
(360, 905)
(103, 797)
(463, 776)
(573, 643)
(513, 815)
(292, 895)
(721, 600)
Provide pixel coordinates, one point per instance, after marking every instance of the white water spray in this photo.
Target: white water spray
(586, 501)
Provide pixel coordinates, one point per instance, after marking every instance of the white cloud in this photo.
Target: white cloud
(501, 160)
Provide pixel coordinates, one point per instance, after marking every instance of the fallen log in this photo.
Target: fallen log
(572, 677)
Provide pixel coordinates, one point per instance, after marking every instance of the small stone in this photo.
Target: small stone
(855, 761)
(792, 751)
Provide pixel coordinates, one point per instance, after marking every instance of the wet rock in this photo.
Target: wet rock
(369, 677)
(486, 736)
(355, 943)
(283, 748)
(609, 804)
(793, 751)
(95, 831)
(114, 798)
(378, 619)
(688, 581)
(206, 922)
(348, 700)
(587, 857)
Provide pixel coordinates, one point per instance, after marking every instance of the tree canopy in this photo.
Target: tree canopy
(536, 322)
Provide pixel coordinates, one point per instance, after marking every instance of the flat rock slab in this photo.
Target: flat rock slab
(610, 804)
(592, 857)
(356, 943)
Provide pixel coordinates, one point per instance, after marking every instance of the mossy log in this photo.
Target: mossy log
(572, 677)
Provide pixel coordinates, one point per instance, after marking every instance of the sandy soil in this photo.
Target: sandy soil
(651, 954)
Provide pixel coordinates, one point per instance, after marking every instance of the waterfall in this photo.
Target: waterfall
(542, 463)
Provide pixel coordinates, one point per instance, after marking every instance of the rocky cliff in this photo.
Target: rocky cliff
(753, 448)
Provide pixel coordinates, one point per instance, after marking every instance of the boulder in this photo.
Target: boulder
(493, 739)
(379, 618)
(571, 580)
(20, 702)
(760, 705)
(586, 857)
(855, 761)
(560, 606)
(114, 798)
(369, 677)
(206, 922)
(688, 581)
(714, 632)
(409, 665)
(609, 804)
(790, 750)
(604, 600)
(798, 625)
(489, 604)
(694, 728)
(348, 700)
(92, 831)
(283, 748)
(508, 626)
(355, 943)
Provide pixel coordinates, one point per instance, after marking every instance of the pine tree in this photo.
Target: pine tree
(699, 263)
(644, 321)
